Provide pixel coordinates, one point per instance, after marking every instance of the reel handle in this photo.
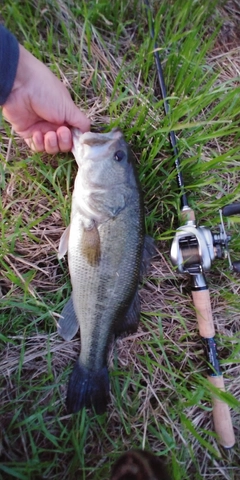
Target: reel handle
(231, 209)
(236, 266)
(227, 211)
(221, 413)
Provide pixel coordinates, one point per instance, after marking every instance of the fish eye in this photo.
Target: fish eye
(119, 155)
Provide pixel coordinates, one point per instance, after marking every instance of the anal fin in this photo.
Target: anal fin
(68, 323)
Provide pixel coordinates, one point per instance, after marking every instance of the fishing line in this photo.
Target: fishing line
(172, 136)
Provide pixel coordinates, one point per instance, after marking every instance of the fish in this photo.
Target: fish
(139, 465)
(108, 252)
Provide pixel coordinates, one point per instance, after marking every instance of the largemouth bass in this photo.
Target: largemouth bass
(105, 245)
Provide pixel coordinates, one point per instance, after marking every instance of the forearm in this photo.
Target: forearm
(9, 56)
(35, 102)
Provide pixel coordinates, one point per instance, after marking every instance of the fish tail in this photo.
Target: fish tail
(87, 388)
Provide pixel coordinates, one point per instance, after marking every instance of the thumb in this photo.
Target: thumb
(76, 118)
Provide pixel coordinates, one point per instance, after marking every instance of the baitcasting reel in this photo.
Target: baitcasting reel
(194, 248)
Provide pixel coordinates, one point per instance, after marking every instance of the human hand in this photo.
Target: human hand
(40, 108)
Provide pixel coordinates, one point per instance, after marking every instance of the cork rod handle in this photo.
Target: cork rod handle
(221, 413)
(202, 304)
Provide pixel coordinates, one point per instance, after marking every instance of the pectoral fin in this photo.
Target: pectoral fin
(90, 245)
(68, 324)
(63, 244)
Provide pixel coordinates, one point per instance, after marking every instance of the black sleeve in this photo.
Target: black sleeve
(9, 55)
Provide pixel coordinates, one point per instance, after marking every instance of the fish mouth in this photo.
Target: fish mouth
(93, 139)
(93, 146)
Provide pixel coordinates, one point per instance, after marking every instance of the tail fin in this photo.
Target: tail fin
(88, 388)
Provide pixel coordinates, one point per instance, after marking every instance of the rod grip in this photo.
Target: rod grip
(201, 301)
(221, 415)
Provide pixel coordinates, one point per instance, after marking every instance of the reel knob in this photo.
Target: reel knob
(231, 209)
(236, 266)
(227, 211)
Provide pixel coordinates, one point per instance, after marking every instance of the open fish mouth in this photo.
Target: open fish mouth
(95, 139)
(97, 146)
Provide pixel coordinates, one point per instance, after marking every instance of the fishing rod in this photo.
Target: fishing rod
(192, 252)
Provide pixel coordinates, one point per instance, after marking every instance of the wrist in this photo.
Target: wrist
(23, 68)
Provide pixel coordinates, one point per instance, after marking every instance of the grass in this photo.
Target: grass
(160, 400)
